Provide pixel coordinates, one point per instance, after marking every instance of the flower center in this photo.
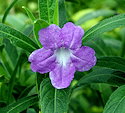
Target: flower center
(63, 56)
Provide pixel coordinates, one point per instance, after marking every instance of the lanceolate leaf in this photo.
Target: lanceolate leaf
(29, 13)
(104, 26)
(20, 105)
(21, 59)
(123, 42)
(94, 14)
(46, 8)
(62, 13)
(56, 13)
(117, 63)
(17, 38)
(116, 102)
(53, 100)
(103, 75)
(11, 51)
(39, 24)
(99, 46)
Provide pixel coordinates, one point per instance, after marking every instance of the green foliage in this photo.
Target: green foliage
(47, 8)
(7, 10)
(123, 42)
(22, 90)
(99, 46)
(29, 13)
(104, 26)
(62, 13)
(39, 24)
(56, 13)
(17, 38)
(94, 14)
(116, 101)
(103, 75)
(11, 51)
(53, 100)
(13, 76)
(117, 63)
(20, 105)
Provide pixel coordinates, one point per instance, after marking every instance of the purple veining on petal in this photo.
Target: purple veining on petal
(62, 76)
(50, 37)
(72, 35)
(41, 53)
(84, 58)
(62, 54)
(42, 60)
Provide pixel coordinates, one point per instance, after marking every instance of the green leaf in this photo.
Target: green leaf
(3, 94)
(20, 105)
(99, 46)
(21, 59)
(62, 13)
(2, 79)
(103, 75)
(31, 110)
(39, 24)
(11, 51)
(46, 8)
(116, 63)
(56, 14)
(25, 91)
(116, 102)
(123, 42)
(94, 14)
(29, 13)
(5, 65)
(17, 38)
(53, 100)
(104, 90)
(8, 10)
(104, 26)
(73, 1)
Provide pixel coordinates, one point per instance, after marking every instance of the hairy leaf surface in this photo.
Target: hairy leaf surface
(53, 100)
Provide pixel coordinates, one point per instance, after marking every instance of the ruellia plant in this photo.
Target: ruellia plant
(53, 65)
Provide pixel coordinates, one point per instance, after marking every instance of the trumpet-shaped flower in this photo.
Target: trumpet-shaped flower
(62, 54)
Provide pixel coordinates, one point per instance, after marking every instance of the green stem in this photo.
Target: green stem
(8, 10)
(55, 100)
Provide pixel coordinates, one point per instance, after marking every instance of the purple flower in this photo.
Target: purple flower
(62, 54)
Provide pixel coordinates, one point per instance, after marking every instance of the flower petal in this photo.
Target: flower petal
(72, 35)
(42, 60)
(61, 76)
(84, 58)
(49, 37)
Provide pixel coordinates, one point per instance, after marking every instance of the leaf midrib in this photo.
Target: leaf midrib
(102, 26)
(119, 103)
(20, 104)
(113, 63)
(18, 39)
(97, 76)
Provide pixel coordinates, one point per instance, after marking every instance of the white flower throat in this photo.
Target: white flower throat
(63, 56)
